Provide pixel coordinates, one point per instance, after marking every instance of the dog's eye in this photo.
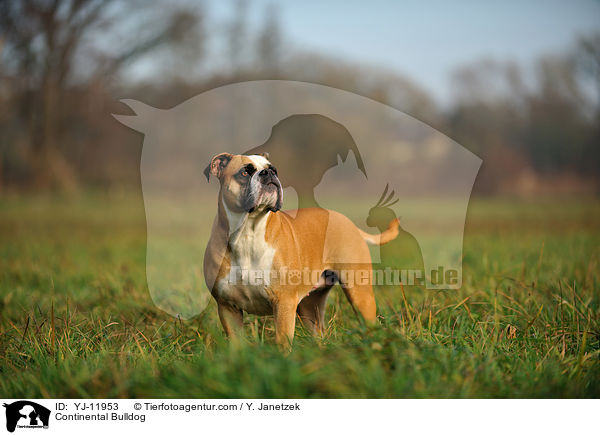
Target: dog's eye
(244, 173)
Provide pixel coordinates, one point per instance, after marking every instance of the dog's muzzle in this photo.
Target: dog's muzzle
(270, 185)
(265, 191)
(268, 176)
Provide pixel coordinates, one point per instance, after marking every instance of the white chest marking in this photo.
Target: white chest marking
(250, 270)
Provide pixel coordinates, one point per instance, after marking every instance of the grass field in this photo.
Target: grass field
(76, 319)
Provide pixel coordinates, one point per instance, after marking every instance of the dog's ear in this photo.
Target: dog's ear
(265, 155)
(217, 164)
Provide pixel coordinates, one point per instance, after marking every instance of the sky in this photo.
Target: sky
(427, 41)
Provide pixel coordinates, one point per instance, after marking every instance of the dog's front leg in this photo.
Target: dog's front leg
(284, 311)
(232, 319)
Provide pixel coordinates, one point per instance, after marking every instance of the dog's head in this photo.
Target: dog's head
(248, 183)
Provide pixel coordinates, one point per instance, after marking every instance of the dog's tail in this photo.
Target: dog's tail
(387, 236)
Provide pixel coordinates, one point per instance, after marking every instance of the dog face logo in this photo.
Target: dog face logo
(26, 414)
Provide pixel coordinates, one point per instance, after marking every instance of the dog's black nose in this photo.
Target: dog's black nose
(267, 175)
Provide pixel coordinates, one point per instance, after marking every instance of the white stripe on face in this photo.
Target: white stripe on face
(260, 162)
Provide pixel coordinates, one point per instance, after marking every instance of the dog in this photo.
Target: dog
(251, 234)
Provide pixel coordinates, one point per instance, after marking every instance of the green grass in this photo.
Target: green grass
(77, 320)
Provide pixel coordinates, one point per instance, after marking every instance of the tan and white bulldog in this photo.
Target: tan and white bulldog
(256, 253)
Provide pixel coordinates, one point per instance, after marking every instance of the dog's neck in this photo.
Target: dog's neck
(242, 223)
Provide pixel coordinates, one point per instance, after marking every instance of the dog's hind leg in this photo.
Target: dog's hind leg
(361, 297)
(311, 310)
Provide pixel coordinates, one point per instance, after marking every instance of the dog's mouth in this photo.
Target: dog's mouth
(272, 195)
(263, 193)
(268, 197)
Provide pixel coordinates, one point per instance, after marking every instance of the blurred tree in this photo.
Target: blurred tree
(45, 46)
(65, 63)
(544, 127)
(557, 127)
(269, 43)
(487, 117)
(237, 34)
(587, 58)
